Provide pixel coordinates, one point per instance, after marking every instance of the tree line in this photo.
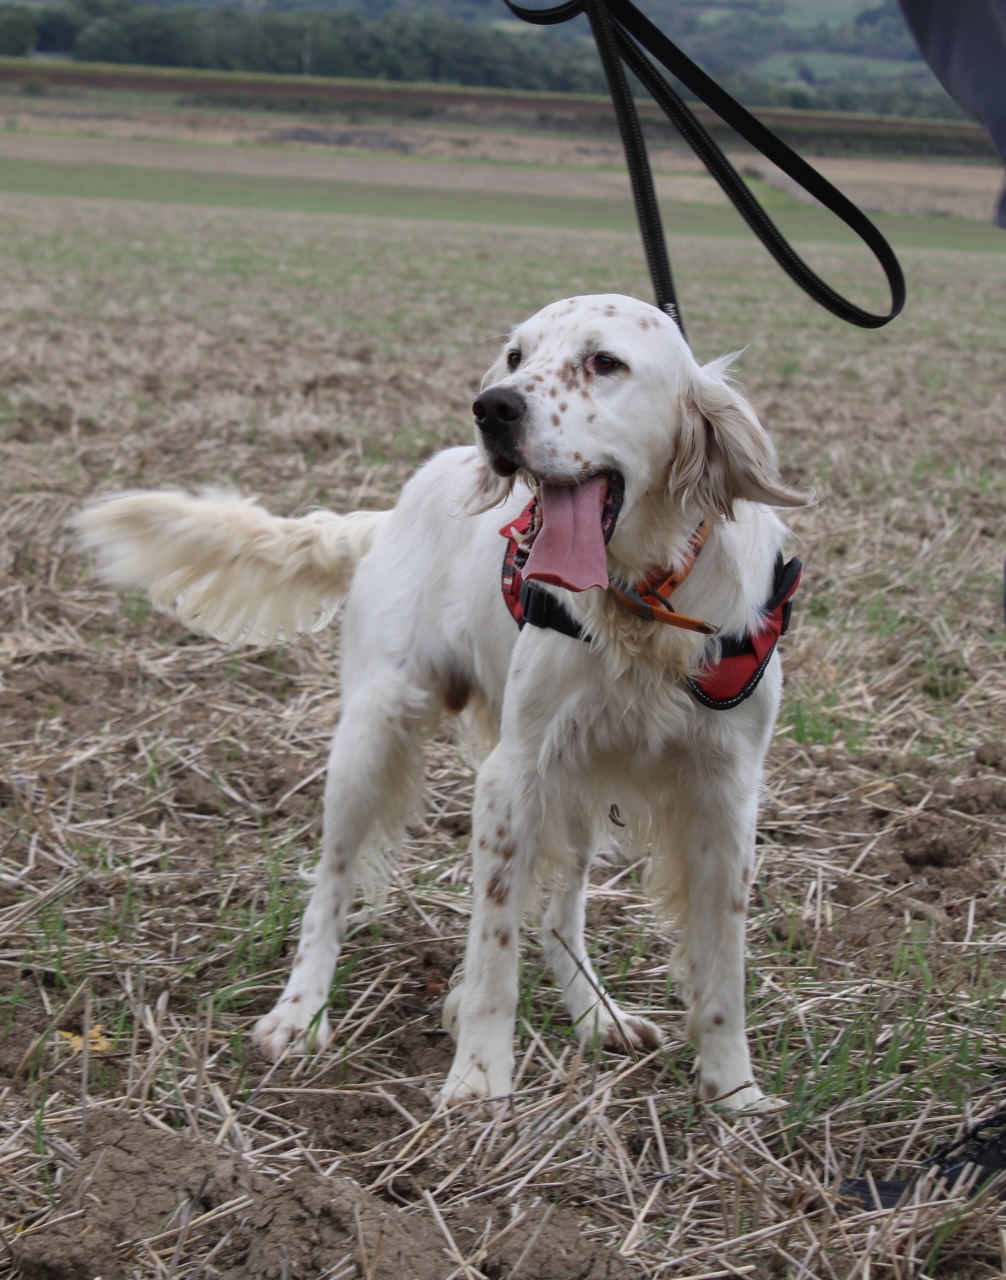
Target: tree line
(398, 47)
(411, 47)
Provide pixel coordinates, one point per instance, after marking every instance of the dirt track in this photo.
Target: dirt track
(540, 164)
(334, 165)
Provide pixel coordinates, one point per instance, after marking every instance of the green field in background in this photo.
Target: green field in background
(122, 182)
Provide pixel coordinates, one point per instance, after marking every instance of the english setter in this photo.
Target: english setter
(642, 465)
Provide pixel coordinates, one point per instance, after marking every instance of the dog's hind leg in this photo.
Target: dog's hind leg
(374, 765)
(593, 1012)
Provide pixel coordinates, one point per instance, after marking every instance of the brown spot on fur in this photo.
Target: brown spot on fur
(295, 999)
(555, 419)
(644, 324)
(577, 457)
(482, 842)
(738, 906)
(710, 1090)
(746, 875)
(611, 309)
(500, 832)
(718, 1019)
(340, 868)
(553, 392)
(298, 959)
(563, 406)
(591, 417)
(507, 851)
(503, 937)
(457, 691)
(498, 888)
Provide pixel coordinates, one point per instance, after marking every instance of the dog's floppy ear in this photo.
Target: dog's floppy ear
(722, 452)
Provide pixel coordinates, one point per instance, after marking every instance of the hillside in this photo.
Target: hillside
(800, 54)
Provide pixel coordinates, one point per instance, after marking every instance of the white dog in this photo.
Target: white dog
(652, 477)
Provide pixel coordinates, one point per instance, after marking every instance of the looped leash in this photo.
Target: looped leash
(620, 29)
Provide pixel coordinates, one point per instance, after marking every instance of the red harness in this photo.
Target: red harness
(721, 685)
(514, 560)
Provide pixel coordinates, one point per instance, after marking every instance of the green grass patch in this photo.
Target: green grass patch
(114, 182)
(836, 1052)
(362, 199)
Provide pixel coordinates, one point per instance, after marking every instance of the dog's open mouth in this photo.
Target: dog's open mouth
(575, 523)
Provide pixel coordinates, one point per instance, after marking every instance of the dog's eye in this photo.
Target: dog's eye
(512, 360)
(602, 362)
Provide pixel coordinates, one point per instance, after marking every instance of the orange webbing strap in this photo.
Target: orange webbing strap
(647, 607)
(650, 598)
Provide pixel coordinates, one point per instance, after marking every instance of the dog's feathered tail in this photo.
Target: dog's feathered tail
(223, 565)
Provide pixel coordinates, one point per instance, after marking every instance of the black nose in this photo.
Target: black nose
(498, 410)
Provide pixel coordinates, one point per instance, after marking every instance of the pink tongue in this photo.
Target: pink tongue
(569, 549)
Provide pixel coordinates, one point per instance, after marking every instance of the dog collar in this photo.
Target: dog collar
(650, 598)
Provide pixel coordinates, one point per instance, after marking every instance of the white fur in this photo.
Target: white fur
(568, 728)
(223, 565)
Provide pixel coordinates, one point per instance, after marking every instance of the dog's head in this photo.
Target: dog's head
(599, 402)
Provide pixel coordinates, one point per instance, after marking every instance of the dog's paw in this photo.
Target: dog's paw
(763, 1106)
(464, 1089)
(473, 1078)
(626, 1033)
(286, 1029)
(748, 1101)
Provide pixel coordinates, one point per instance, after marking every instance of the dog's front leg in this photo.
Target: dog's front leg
(715, 826)
(481, 1012)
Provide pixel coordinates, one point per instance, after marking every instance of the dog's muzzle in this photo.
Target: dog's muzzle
(499, 416)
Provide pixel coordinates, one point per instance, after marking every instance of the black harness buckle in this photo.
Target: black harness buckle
(542, 609)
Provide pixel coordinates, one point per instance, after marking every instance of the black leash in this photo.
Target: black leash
(620, 29)
(983, 1146)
